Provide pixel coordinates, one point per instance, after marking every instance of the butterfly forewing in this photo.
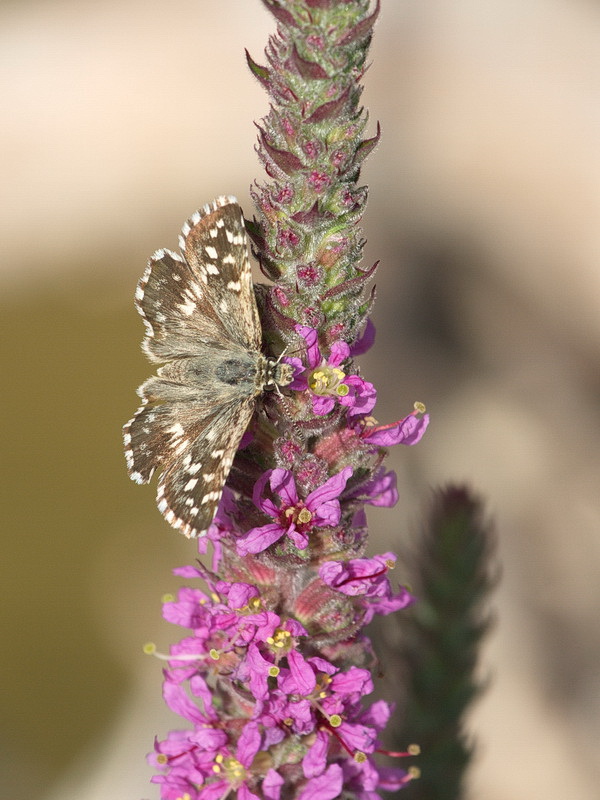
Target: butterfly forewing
(216, 249)
(175, 308)
(202, 323)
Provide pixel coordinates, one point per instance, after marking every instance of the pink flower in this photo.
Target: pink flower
(327, 382)
(292, 516)
(380, 490)
(408, 430)
(367, 578)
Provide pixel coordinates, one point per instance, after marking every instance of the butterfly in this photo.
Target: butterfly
(202, 324)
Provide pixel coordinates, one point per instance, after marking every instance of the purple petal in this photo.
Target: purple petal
(271, 786)
(299, 382)
(327, 786)
(391, 779)
(302, 673)
(244, 793)
(299, 538)
(322, 665)
(328, 513)
(315, 761)
(188, 572)
(407, 431)
(263, 504)
(338, 354)
(322, 405)
(365, 342)
(377, 714)
(248, 743)
(178, 701)
(332, 488)
(199, 688)
(213, 791)
(358, 737)
(382, 491)
(295, 628)
(353, 680)
(258, 539)
(362, 397)
(282, 483)
(312, 344)
(240, 594)
(208, 738)
(258, 668)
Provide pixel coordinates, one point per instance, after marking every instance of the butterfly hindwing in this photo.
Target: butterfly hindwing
(191, 484)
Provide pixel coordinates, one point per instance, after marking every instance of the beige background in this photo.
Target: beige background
(119, 119)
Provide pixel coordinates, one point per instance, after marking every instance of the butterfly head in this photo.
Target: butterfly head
(276, 373)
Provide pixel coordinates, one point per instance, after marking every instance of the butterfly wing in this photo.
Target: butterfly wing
(191, 485)
(203, 296)
(195, 448)
(201, 318)
(215, 245)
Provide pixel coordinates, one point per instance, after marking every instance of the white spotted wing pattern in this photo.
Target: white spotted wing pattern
(202, 324)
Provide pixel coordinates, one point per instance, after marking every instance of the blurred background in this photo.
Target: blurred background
(120, 119)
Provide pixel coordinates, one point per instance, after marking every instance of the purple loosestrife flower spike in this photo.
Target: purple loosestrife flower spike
(273, 672)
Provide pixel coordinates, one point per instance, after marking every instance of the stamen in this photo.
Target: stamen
(150, 650)
(304, 516)
(411, 750)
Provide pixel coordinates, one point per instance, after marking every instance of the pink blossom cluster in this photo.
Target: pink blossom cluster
(265, 676)
(283, 718)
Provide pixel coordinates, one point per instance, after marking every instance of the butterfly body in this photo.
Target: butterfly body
(202, 324)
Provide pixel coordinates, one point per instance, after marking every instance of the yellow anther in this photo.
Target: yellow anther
(322, 694)
(216, 769)
(214, 654)
(274, 671)
(360, 757)
(167, 598)
(215, 597)
(326, 380)
(414, 772)
(414, 749)
(342, 390)
(304, 516)
(390, 564)
(420, 407)
(161, 759)
(318, 381)
(219, 758)
(288, 721)
(149, 648)
(335, 720)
